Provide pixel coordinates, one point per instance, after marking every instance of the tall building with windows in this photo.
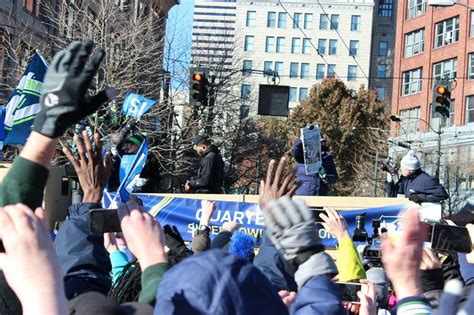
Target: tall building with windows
(213, 37)
(304, 42)
(383, 48)
(432, 44)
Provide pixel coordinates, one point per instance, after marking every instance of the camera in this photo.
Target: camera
(389, 166)
(371, 252)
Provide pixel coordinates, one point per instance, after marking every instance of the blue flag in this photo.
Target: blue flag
(131, 178)
(24, 104)
(136, 105)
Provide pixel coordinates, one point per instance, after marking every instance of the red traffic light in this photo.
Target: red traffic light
(441, 90)
(197, 77)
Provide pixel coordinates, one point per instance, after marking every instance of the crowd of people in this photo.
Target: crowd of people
(148, 268)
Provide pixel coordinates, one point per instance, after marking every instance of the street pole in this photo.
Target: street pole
(438, 162)
(376, 166)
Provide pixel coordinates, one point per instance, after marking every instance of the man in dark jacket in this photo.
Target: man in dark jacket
(316, 184)
(415, 184)
(210, 177)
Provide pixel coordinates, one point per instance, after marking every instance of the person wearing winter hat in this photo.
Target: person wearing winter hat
(415, 184)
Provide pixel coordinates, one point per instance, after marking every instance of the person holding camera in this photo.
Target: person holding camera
(414, 184)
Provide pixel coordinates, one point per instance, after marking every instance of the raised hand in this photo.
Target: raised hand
(334, 223)
(64, 100)
(93, 170)
(276, 184)
(30, 263)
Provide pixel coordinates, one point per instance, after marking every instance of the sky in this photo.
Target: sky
(178, 43)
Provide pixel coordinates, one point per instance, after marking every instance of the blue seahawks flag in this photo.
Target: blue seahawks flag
(24, 104)
(136, 105)
(131, 178)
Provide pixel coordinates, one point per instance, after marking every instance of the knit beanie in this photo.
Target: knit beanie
(410, 161)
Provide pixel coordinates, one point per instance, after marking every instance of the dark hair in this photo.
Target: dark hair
(128, 285)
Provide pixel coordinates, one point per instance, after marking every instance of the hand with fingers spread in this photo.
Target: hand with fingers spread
(334, 224)
(402, 260)
(276, 185)
(92, 169)
(143, 234)
(29, 263)
(64, 100)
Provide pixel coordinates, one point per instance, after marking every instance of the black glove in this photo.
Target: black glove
(173, 238)
(64, 100)
(416, 198)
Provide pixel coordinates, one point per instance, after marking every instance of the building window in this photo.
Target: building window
(322, 46)
(271, 19)
(416, 8)
(320, 69)
(383, 48)
(385, 8)
(332, 46)
(293, 70)
(472, 24)
(250, 18)
(31, 6)
(353, 48)
(245, 91)
(295, 45)
(381, 71)
(282, 19)
(334, 22)
(303, 94)
(410, 119)
(308, 20)
(380, 92)
(470, 67)
(331, 70)
(267, 67)
(414, 43)
(323, 22)
(244, 111)
(355, 23)
(445, 69)
(279, 67)
(306, 48)
(304, 70)
(280, 46)
(247, 67)
(351, 73)
(292, 96)
(470, 109)
(297, 20)
(248, 45)
(447, 32)
(411, 82)
(270, 44)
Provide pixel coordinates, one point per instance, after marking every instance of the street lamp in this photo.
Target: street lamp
(396, 118)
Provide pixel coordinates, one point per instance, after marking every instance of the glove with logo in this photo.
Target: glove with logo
(64, 100)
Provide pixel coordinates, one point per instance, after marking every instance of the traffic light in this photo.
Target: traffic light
(199, 93)
(442, 97)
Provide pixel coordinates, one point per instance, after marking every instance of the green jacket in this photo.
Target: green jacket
(25, 183)
(151, 278)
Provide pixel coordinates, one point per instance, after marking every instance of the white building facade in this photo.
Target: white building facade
(304, 42)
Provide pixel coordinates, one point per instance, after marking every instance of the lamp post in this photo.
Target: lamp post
(396, 118)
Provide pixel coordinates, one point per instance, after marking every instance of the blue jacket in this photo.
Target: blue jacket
(83, 257)
(312, 185)
(427, 187)
(272, 264)
(215, 282)
(318, 296)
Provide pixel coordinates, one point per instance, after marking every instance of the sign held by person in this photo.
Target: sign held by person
(311, 136)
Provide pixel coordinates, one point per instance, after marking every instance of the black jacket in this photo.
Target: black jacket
(210, 177)
(425, 186)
